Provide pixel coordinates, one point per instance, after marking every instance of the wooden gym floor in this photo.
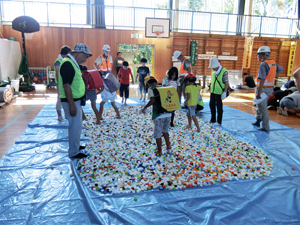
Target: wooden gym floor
(16, 116)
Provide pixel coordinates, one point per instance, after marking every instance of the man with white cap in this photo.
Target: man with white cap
(266, 74)
(72, 95)
(104, 62)
(218, 89)
(185, 69)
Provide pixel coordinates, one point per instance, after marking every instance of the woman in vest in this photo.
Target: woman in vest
(218, 90)
(65, 50)
(72, 95)
(266, 74)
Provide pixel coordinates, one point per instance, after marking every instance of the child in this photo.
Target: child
(124, 73)
(108, 96)
(91, 95)
(191, 91)
(161, 122)
(142, 72)
(172, 81)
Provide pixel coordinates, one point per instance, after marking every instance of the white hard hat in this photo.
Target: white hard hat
(177, 54)
(106, 48)
(214, 63)
(264, 49)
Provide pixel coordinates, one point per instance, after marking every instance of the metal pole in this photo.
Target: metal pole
(290, 30)
(47, 15)
(133, 18)
(227, 24)
(260, 26)
(70, 14)
(1, 12)
(210, 23)
(154, 14)
(24, 8)
(276, 27)
(192, 23)
(113, 16)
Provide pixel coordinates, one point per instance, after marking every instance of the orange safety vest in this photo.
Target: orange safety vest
(269, 82)
(183, 72)
(106, 64)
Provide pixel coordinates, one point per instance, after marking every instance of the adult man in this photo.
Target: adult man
(64, 51)
(267, 72)
(72, 94)
(218, 90)
(248, 82)
(185, 69)
(297, 78)
(104, 62)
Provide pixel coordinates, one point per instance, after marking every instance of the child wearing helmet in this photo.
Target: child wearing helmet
(191, 90)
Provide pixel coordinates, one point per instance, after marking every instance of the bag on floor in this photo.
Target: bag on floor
(111, 82)
(92, 79)
(166, 99)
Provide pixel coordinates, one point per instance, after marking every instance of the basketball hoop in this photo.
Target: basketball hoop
(28, 36)
(159, 33)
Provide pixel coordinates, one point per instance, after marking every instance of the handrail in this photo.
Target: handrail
(129, 17)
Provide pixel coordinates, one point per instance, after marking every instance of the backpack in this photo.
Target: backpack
(166, 99)
(111, 82)
(200, 104)
(93, 79)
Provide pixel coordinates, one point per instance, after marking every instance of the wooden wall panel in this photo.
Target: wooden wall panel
(45, 45)
(297, 58)
(43, 48)
(217, 44)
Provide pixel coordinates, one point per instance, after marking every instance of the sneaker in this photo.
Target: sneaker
(262, 129)
(217, 124)
(270, 107)
(279, 110)
(284, 113)
(257, 123)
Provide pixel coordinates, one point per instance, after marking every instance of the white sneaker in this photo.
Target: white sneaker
(279, 110)
(217, 124)
(284, 113)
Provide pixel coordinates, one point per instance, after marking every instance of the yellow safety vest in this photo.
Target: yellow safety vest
(77, 86)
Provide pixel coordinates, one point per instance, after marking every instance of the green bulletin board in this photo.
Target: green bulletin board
(194, 45)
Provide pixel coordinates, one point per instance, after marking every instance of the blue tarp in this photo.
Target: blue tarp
(36, 186)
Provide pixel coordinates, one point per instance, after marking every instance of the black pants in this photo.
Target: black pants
(212, 104)
(124, 87)
(117, 69)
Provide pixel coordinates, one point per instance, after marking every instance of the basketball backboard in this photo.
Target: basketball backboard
(157, 25)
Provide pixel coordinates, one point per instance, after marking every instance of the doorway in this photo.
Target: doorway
(133, 53)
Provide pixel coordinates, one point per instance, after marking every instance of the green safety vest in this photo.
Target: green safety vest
(77, 86)
(217, 87)
(57, 60)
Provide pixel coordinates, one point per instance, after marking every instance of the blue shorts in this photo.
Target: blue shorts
(91, 95)
(191, 110)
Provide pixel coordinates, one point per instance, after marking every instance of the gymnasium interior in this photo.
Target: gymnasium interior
(240, 174)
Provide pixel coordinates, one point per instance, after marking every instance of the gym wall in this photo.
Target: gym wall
(44, 47)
